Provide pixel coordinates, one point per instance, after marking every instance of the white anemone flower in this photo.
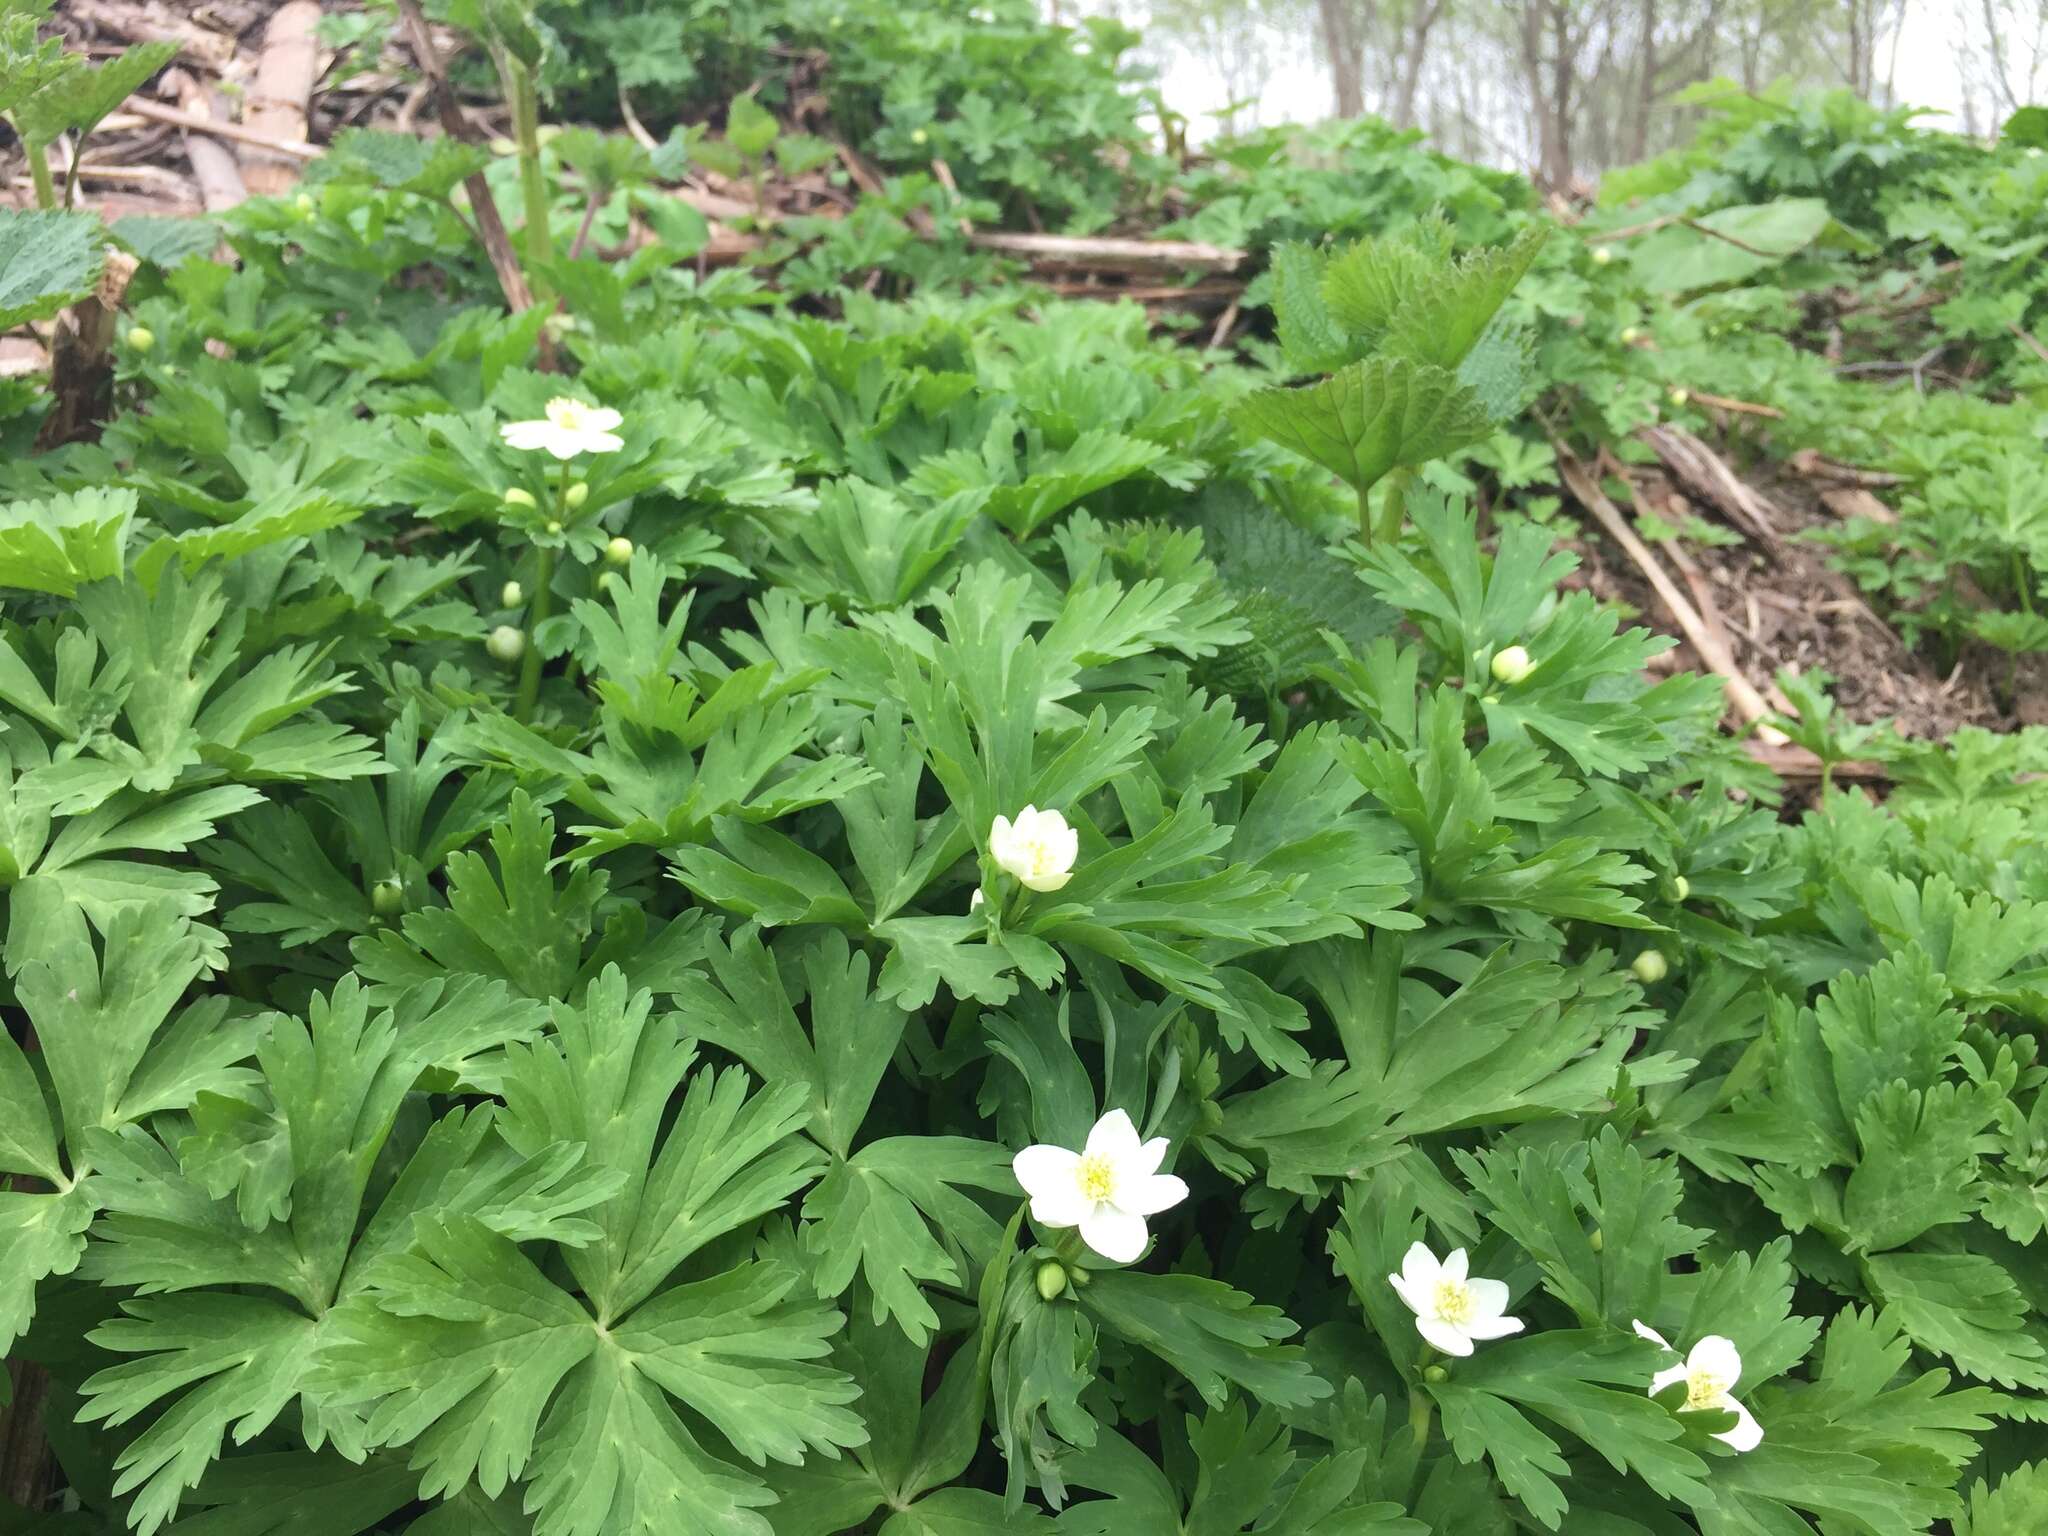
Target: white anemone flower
(1107, 1189)
(568, 428)
(1451, 1307)
(1709, 1373)
(1039, 847)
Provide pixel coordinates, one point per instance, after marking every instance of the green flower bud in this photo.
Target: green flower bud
(387, 897)
(1052, 1279)
(1512, 665)
(511, 595)
(507, 643)
(919, 137)
(547, 133)
(518, 498)
(578, 494)
(1681, 888)
(141, 338)
(1650, 967)
(554, 525)
(1598, 1241)
(1602, 255)
(1079, 1279)
(1630, 335)
(1679, 395)
(1434, 1374)
(619, 552)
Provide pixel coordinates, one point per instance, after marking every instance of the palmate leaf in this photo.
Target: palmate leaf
(1964, 1307)
(1214, 1335)
(463, 1349)
(58, 543)
(1369, 418)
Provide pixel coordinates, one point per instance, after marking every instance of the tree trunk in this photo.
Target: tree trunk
(1341, 42)
(1646, 84)
(1411, 64)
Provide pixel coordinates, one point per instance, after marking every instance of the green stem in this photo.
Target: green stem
(1420, 1406)
(536, 615)
(540, 239)
(1393, 504)
(39, 172)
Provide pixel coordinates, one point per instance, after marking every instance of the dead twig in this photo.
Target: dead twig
(194, 122)
(1712, 647)
(1225, 322)
(1703, 472)
(2028, 337)
(1698, 227)
(138, 23)
(483, 207)
(220, 179)
(1740, 407)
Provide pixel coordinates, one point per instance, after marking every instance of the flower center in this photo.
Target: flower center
(567, 414)
(1703, 1389)
(1097, 1178)
(1453, 1303)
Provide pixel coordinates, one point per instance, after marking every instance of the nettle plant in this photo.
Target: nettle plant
(765, 939)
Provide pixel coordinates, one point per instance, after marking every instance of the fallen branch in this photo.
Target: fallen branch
(1740, 407)
(1853, 501)
(1704, 473)
(1105, 253)
(1792, 762)
(193, 122)
(220, 179)
(1816, 465)
(1698, 227)
(208, 49)
(1713, 649)
(282, 93)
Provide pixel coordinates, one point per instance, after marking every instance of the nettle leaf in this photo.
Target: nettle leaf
(48, 261)
(1369, 418)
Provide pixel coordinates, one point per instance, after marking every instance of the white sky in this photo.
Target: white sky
(1927, 72)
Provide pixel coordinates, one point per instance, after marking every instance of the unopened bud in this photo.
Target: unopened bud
(1679, 395)
(1650, 967)
(1630, 335)
(619, 551)
(577, 494)
(511, 595)
(303, 202)
(1435, 1373)
(547, 133)
(518, 498)
(1602, 255)
(1512, 665)
(919, 137)
(1681, 888)
(1051, 1280)
(141, 338)
(554, 525)
(507, 643)
(387, 897)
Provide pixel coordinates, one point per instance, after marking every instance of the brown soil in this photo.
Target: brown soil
(1781, 606)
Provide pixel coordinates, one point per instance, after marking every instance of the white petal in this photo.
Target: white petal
(601, 418)
(1489, 1297)
(526, 435)
(1151, 1195)
(1150, 1156)
(1665, 1377)
(1408, 1297)
(1114, 1138)
(1456, 1267)
(1421, 1270)
(602, 442)
(1493, 1327)
(1452, 1341)
(1044, 1169)
(1716, 1357)
(1118, 1236)
(1747, 1434)
(1043, 881)
(1645, 1331)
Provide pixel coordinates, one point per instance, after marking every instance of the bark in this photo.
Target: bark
(1343, 44)
(1416, 54)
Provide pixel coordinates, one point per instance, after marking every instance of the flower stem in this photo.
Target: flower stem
(1420, 1406)
(536, 615)
(1393, 509)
